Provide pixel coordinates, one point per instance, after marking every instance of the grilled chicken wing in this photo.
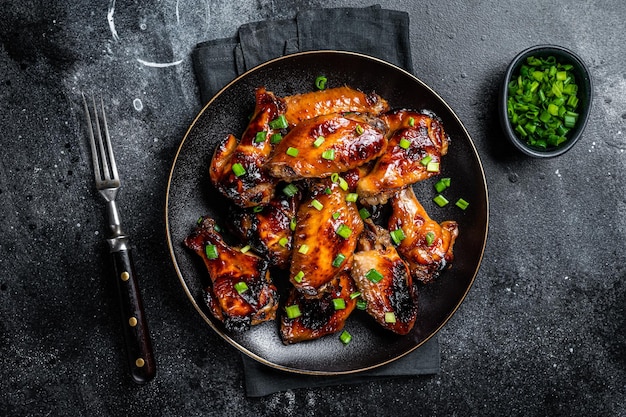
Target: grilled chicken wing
(384, 281)
(415, 136)
(328, 144)
(326, 226)
(237, 167)
(319, 316)
(227, 268)
(333, 100)
(427, 246)
(266, 228)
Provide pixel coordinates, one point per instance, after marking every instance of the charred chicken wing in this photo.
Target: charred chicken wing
(325, 236)
(311, 318)
(237, 167)
(384, 281)
(241, 293)
(427, 245)
(309, 105)
(319, 147)
(415, 136)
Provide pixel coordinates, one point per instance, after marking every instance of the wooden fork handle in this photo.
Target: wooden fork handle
(136, 335)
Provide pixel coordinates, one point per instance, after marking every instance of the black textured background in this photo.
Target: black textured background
(542, 332)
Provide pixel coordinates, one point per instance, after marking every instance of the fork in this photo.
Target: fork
(138, 345)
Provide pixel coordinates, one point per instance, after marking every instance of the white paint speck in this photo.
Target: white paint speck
(571, 350)
(159, 64)
(77, 224)
(96, 233)
(558, 174)
(110, 13)
(137, 104)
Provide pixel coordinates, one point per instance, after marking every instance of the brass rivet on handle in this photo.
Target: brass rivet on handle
(132, 321)
(140, 362)
(125, 276)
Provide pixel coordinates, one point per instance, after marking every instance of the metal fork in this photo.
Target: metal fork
(138, 345)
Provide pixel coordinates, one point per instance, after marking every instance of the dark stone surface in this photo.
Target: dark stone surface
(542, 332)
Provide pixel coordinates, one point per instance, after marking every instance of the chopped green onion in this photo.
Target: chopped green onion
(328, 191)
(426, 160)
(411, 122)
(292, 224)
(211, 251)
(257, 209)
(318, 141)
(276, 138)
(279, 123)
(290, 190)
(404, 143)
(361, 304)
(440, 200)
(344, 231)
(345, 337)
(315, 203)
(462, 204)
(430, 238)
(432, 166)
(320, 82)
(293, 311)
(334, 177)
(355, 295)
(298, 277)
(217, 228)
(245, 249)
(359, 130)
(343, 184)
(283, 242)
(238, 169)
(241, 287)
(364, 213)
(336, 215)
(397, 236)
(390, 317)
(442, 184)
(339, 303)
(352, 197)
(373, 275)
(260, 136)
(292, 151)
(304, 249)
(329, 154)
(338, 260)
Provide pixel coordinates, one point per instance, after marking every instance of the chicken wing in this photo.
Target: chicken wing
(427, 245)
(309, 105)
(384, 281)
(318, 316)
(241, 293)
(237, 167)
(415, 136)
(327, 144)
(325, 236)
(267, 228)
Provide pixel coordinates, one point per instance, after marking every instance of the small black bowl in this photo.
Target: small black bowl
(583, 80)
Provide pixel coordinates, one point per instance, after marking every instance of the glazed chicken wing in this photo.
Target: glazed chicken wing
(241, 293)
(319, 316)
(384, 281)
(415, 136)
(326, 233)
(328, 144)
(237, 167)
(427, 245)
(266, 228)
(309, 105)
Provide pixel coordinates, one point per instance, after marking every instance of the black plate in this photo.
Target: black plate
(190, 195)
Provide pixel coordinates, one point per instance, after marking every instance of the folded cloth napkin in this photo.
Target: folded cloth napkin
(373, 31)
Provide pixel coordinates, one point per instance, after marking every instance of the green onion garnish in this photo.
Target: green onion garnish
(430, 238)
(364, 213)
(320, 82)
(283, 241)
(318, 141)
(338, 260)
(432, 166)
(404, 143)
(257, 209)
(315, 203)
(344, 231)
(336, 215)
(442, 184)
(440, 200)
(292, 151)
(343, 184)
(355, 295)
(298, 277)
(397, 236)
(238, 169)
(279, 123)
(211, 251)
(361, 304)
(426, 160)
(241, 287)
(462, 204)
(293, 311)
(373, 275)
(292, 224)
(339, 303)
(352, 197)
(345, 337)
(411, 122)
(304, 249)
(328, 191)
(245, 249)
(260, 136)
(359, 130)
(290, 190)
(390, 317)
(276, 138)
(329, 154)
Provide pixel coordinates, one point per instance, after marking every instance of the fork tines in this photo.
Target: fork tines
(105, 169)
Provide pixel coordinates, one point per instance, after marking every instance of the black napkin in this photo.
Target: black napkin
(373, 31)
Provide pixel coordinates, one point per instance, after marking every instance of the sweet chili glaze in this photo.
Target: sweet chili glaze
(344, 99)
(353, 140)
